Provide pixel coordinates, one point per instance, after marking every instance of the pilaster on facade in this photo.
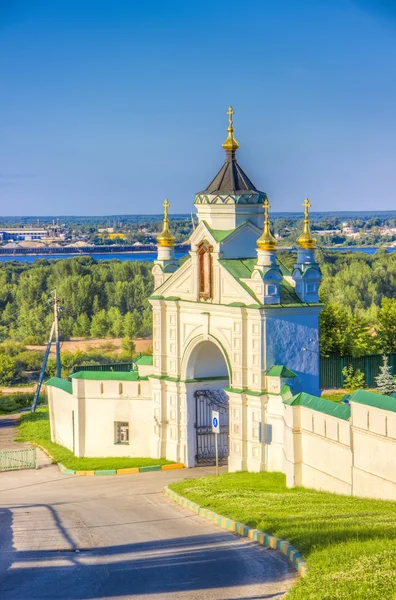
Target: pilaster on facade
(237, 459)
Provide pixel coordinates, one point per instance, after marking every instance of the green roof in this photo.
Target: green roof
(242, 268)
(219, 234)
(280, 371)
(341, 411)
(373, 399)
(145, 360)
(107, 375)
(62, 384)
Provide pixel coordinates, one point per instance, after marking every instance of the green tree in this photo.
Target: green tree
(386, 328)
(130, 326)
(7, 369)
(99, 324)
(128, 349)
(353, 379)
(386, 382)
(82, 326)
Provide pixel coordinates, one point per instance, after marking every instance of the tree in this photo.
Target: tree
(7, 369)
(128, 349)
(130, 326)
(99, 325)
(353, 380)
(82, 326)
(386, 383)
(386, 328)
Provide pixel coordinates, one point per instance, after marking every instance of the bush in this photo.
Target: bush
(16, 402)
(353, 380)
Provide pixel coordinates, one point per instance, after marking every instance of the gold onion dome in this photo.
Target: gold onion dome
(230, 143)
(165, 238)
(306, 241)
(267, 240)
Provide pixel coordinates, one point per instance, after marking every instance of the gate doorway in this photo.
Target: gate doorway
(205, 402)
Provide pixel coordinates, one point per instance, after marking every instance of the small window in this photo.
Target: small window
(120, 389)
(121, 433)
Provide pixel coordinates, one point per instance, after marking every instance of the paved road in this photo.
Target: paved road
(77, 538)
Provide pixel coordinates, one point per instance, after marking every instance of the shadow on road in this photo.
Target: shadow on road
(156, 567)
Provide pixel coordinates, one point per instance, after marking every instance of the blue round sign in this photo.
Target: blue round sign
(215, 422)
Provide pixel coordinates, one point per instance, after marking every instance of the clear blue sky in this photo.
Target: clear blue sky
(109, 106)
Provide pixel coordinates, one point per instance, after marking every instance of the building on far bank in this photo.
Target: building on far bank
(236, 331)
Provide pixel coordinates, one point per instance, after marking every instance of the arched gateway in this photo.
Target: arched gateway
(207, 371)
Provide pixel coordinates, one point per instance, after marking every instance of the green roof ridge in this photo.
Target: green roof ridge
(61, 384)
(280, 371)
(333, 409)
(374, 400)
(145, 360)
(108, 376)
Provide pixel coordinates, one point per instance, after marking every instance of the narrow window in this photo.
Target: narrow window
(120, 389)
(101, 388)
(205, 271)
(121, 432)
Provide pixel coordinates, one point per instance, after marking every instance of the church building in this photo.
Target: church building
(234, 331)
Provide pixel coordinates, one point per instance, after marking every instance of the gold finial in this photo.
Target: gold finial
(230, 143)
(165, 238)
(306, 240)
(267, 240)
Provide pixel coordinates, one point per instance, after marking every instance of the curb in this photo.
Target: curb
(100, 472)
(269, 541)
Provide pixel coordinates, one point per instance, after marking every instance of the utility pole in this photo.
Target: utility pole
(56, 302)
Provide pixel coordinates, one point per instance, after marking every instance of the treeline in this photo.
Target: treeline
(109, 299)
(100, 299)
(359, 294)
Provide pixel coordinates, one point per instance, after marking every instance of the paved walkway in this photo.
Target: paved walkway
(78, 538)
(8, 434)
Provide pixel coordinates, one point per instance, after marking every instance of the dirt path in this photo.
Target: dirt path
(106, 344)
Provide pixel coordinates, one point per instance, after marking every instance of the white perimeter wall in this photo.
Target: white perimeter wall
(95, 413)
(355, 457)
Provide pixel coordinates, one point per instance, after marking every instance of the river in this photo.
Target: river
(140, 256)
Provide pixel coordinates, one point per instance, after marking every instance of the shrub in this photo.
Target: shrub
(353, 379)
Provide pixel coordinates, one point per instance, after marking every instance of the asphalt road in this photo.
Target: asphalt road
(73, 538)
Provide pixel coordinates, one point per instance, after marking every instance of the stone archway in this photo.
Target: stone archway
(206, 375)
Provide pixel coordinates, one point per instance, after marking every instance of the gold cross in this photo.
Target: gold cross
(166, 205)
(306, 205)
(230, 112)
(267, 206)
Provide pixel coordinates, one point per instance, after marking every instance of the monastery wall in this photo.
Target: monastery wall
(354, 457)
(63, 409)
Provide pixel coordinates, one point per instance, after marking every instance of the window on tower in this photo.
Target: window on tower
(205, 271)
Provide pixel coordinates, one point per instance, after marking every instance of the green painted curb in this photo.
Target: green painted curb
(68, 471)
(106, 472)
(153, 468)
(265, 539)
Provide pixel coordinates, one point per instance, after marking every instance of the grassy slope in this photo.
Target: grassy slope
(35, 428)
(349, 543)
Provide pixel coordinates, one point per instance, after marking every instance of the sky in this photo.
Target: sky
(111, 106)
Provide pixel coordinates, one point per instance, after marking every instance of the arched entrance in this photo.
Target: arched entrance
(207, 373)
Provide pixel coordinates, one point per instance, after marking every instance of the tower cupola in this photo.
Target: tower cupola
(231, 198)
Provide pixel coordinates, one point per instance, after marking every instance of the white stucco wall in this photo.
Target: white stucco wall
(374, 457)
(62, 406)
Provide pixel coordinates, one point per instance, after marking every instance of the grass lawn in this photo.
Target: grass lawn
(349, 543)
(35, 428)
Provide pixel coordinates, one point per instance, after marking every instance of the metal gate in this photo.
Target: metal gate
(205, 402)
(25, 458)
